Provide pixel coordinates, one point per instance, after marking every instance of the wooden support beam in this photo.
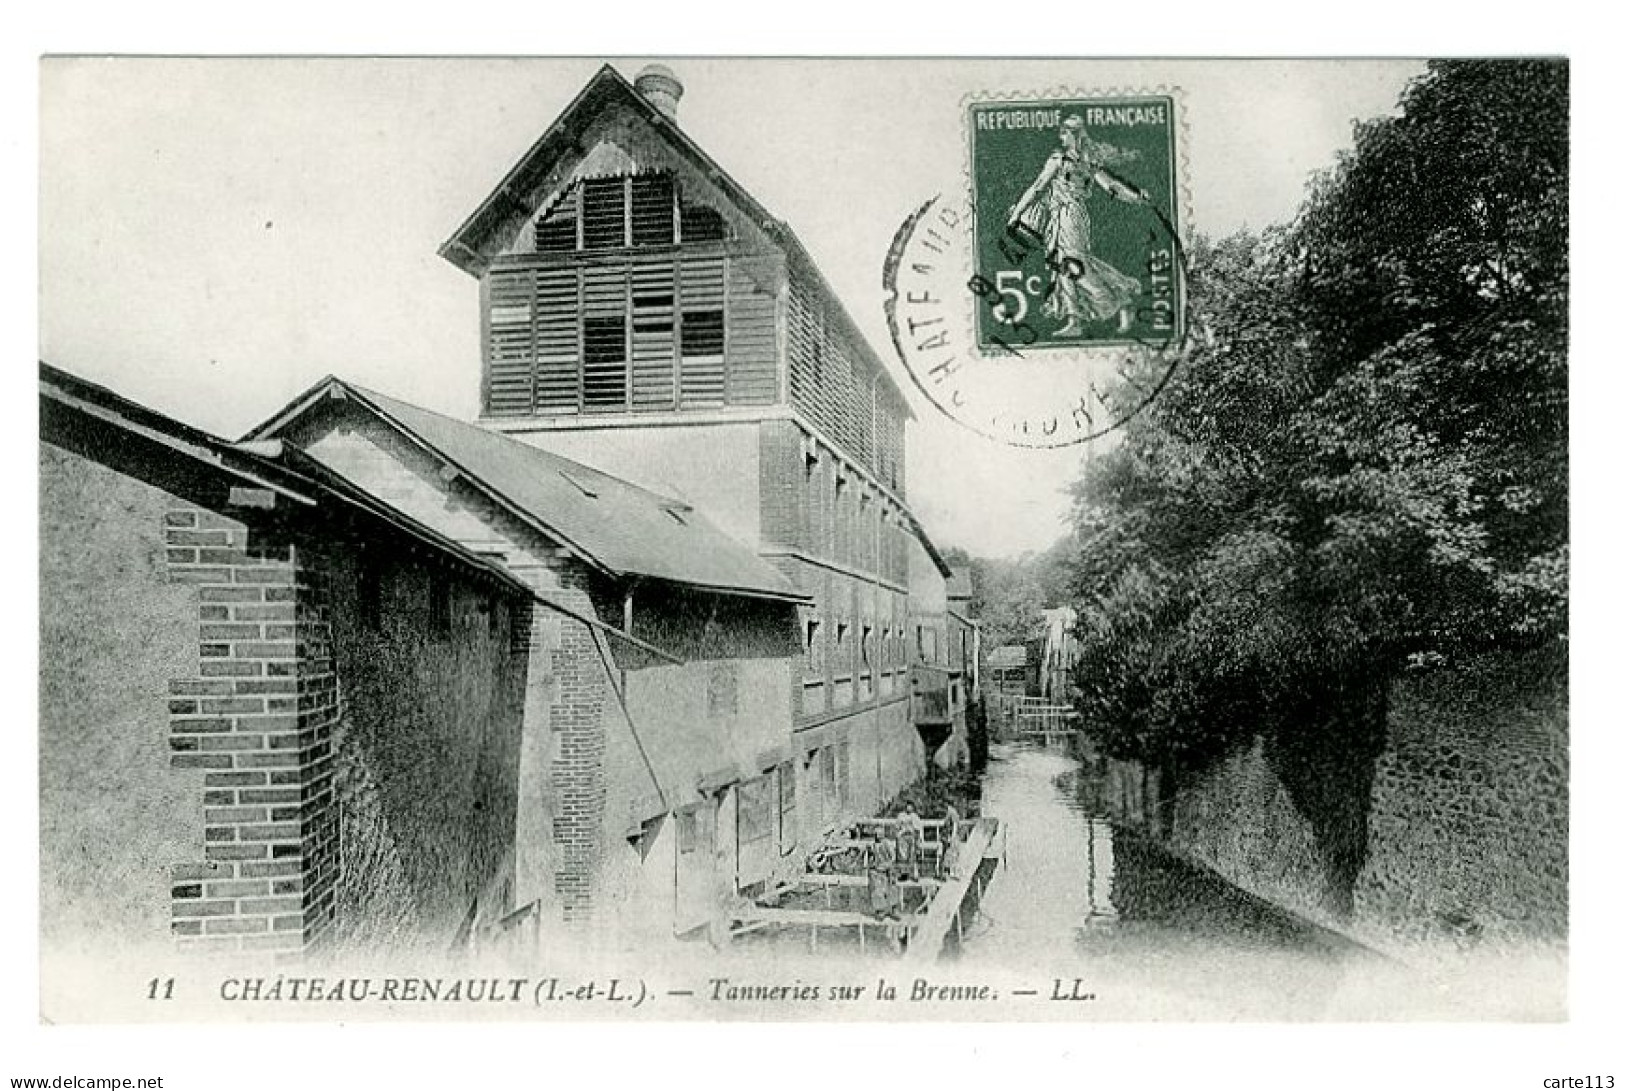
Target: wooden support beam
(827, 918)
(812, 879)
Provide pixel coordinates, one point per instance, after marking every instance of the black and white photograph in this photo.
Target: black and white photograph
(662, 539)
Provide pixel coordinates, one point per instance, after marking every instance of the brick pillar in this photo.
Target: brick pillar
(256, 721)
(534, 849)
(576, 719)
(320, 707)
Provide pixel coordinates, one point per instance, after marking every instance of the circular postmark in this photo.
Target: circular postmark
(1050, 308)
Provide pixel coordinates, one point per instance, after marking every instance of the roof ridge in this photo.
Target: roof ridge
(531, 449)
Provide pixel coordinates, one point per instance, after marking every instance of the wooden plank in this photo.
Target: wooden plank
(822, 918)
(929, 934)
(812, 879)
(995, 844)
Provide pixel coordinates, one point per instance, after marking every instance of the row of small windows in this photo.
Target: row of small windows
(637, 210)
(879, 647)
(846, 529)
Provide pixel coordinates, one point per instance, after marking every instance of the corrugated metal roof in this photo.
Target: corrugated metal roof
(621, 527)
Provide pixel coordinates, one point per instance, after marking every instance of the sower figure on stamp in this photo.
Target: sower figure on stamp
(1085, 288)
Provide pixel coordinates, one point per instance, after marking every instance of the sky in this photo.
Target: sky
(218, 234)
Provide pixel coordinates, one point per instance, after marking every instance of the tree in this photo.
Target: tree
(1008, 595)
(1362, 465)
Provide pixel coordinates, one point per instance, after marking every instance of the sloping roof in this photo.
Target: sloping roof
(66, 398)
(465, 249)
(959, 585)
(620, 527)
(1007, 655)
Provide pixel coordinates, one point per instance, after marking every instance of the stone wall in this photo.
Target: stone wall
(1468, 837)
(1449, 832)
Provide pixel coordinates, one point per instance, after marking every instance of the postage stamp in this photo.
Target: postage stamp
(1076, 221)
(1047, 305)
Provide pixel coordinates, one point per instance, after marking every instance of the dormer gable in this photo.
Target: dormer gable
(623, 272)
(585, 163)
(627, 207)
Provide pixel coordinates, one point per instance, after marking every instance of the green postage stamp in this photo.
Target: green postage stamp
(1076, 208)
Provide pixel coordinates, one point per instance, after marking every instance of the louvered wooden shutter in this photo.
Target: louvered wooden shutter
(841, 394)
(509, 343)
(654, 209)
(558, 341)
(802, 329)
(603, 213)
(653, 328)
(603, 364)
(556, 231)
(702, 224)
(703, 374)
(752, 349)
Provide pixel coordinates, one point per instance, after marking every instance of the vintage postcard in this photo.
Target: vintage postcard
(670, 539)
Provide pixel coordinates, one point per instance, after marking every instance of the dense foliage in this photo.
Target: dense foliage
(1008, 594)
(1361, 465)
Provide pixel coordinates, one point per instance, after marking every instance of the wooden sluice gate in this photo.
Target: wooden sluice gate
(929, 907)
(1018, 717)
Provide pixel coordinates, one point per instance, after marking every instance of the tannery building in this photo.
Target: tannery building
(653, 696)
(274, 712)
(642, 312)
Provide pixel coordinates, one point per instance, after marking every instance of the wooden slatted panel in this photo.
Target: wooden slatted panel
(753, 346)
(839, 394)
(890, 442)
(831, 384)
(654, 209)
(556, 230)
(603, 213)
(509, 346)
(654, 334)
(809, 358)
(866, 420)
(558, 342)
(603, 315)
(702, 224)
(799, 345)
(702, 379)
(883, 444)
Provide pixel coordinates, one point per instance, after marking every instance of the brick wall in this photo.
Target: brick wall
(256, 719)
(786, 522)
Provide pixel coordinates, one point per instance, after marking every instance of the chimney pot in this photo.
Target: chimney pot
(661, 87)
